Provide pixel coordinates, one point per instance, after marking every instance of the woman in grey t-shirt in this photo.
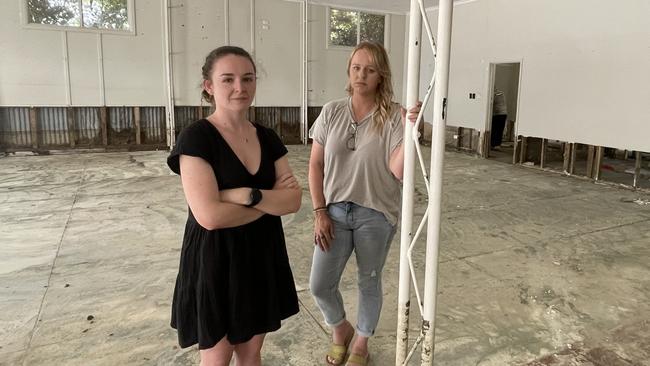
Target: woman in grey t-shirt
(355, 169)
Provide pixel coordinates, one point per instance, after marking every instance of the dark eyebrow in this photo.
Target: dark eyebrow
(246, 74)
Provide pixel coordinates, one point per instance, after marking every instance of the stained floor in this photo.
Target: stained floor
(535, 268)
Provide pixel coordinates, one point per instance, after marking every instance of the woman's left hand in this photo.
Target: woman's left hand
(412, 113)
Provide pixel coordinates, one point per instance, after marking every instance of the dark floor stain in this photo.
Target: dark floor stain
(598, 356)
(523, 294)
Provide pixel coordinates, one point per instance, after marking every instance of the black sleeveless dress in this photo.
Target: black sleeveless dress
(233, 282)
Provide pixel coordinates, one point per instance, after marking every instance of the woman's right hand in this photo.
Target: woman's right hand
(323, 230)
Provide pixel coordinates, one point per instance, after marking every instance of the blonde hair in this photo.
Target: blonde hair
(384, 93)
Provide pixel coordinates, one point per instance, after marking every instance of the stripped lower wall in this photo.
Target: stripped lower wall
(41, 129)
(601, 164)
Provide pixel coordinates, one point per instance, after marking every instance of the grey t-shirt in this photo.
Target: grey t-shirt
(361, 176)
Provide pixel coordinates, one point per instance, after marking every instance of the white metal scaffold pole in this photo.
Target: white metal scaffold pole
(408, 186)
(441, 88)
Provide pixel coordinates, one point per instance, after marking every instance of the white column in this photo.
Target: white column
(303, 73)
(169, 76)
(437, 157)
(412, 86)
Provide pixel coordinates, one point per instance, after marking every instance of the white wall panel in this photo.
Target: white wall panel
(31, 62)
(585, 75)
(84, 68)
(240, 23)
(397, 52)
(277, 44)
(198, 27)
(134, 65)
(327, 67)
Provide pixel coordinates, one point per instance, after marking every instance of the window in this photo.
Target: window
(86, 14)
(349, 27)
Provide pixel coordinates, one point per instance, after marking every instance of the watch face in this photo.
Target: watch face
(256, 197)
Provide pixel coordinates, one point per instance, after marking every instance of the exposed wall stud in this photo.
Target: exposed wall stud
(103, 117)
(72, 130)
(485, 144)
(637, 169)
(459, 140)
(591, 151)
(138, 129)
(567, 157)
(572, 163)
(33, 127)
(515, 146)
(523, 156)
(598, 159)
(542, 157)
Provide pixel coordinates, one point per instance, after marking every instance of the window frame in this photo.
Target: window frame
(328, 15)
(130, 10)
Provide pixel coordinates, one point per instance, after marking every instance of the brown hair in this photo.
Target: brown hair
(213, 57)
(384, 94)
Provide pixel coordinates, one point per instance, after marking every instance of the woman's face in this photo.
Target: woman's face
(233, 83)
(363, 75)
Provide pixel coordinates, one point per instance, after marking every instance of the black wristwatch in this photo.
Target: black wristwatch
(256, 197)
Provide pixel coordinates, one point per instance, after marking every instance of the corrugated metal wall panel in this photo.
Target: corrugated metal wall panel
(14, 127)
(81, 127)
(184, 116)
(312, 114)
(52, 125)
(121, 126)
(87, 123)
(152, 125)
(285, 121)
(120, 118)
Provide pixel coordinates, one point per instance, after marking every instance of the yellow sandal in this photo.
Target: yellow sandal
(358, 360)
(337, 352)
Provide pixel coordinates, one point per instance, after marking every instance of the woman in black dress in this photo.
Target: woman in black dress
(234, 283)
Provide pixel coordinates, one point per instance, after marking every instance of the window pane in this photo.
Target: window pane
(56, 12)
(106, 14)
(372, 27)
(343, 27)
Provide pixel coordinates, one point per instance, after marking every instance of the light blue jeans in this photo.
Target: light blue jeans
(369, 234)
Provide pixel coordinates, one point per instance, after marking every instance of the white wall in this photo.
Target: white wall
(197, 27)
(277, 52)
(32, 66)
(327, 67)
(33, 62)
(585, 75)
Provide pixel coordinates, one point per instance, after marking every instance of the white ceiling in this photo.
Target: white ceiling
(389, 6)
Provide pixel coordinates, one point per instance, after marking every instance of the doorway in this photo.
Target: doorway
(503, 105)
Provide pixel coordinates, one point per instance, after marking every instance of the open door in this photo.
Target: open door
(502, 107)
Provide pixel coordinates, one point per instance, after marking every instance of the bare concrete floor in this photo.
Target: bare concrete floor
(536, 268)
